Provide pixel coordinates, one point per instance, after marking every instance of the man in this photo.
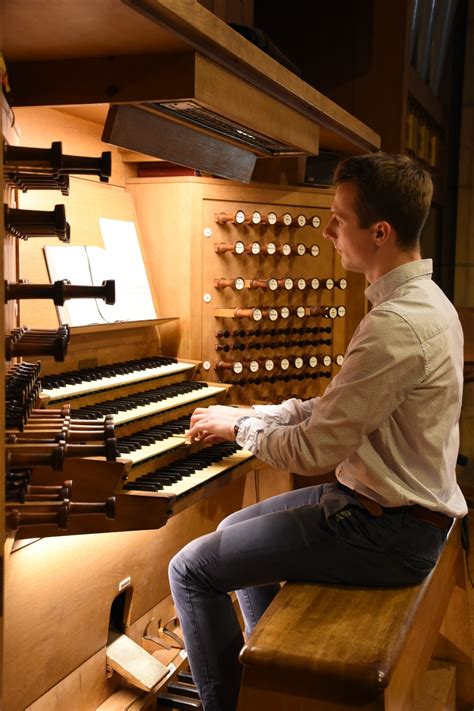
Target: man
(387, 423)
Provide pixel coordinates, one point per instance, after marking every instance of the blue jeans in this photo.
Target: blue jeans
(318, 534)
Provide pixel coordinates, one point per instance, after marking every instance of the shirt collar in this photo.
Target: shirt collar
(383, 287)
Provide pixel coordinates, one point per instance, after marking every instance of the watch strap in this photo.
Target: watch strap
(239, 422)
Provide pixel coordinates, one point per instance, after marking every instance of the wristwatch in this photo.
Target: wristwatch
(238, 423)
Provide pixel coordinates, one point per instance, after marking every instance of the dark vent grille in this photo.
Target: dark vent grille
(192, 113)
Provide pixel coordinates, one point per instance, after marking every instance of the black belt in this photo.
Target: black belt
(436, 518)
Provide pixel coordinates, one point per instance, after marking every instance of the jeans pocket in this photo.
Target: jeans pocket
(416, 564)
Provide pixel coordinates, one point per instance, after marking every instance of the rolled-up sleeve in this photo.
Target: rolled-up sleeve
(290, 412)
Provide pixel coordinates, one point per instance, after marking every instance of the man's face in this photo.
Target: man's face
(354, 244)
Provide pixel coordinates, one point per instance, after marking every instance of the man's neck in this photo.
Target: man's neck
(390, 262)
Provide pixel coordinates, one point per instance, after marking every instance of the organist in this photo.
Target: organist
(387, 423)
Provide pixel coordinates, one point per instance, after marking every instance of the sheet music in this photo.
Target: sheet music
(133, 296)
(121, 260)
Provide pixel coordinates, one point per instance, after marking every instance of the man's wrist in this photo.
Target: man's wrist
(238, 423)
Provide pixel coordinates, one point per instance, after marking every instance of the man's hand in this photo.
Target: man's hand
(216, 423)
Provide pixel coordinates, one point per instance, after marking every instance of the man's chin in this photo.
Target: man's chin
(350, 266)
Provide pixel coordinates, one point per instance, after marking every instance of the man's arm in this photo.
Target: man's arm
(384, 362)
(218, 421)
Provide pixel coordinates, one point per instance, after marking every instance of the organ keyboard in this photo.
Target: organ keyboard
(149, 402)
(151, 442)
(159, 469)
(67, 386)
(185, 476)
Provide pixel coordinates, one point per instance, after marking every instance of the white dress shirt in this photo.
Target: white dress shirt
(388, 421)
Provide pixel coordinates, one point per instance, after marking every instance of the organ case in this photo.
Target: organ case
(66, 592)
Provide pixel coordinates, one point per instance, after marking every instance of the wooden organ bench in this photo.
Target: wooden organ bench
(325, 647)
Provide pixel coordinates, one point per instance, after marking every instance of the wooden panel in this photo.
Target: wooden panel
(247, 105)
(69, 617)
(141, 130)
(170, 77)
(88, 30)
(113, 29)
(195, 234)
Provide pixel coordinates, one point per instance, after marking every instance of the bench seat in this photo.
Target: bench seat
(341, 647)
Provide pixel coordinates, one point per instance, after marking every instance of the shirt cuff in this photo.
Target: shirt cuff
(249, 433)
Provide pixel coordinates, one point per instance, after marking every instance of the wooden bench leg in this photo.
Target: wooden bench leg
(454, 643)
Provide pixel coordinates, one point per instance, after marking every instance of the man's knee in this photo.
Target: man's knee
(235, 517)
(182, 563)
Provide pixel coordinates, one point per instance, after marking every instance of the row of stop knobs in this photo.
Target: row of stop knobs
(269, 248)
(270, 218)
(283, 312)
(270, 364)
(275, 283)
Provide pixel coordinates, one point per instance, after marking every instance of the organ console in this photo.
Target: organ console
(102, 485)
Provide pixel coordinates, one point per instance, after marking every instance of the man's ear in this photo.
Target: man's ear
(381, 231)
